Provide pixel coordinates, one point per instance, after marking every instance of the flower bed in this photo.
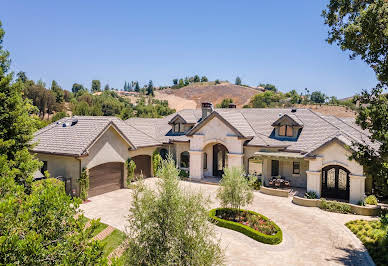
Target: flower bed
(249, 223)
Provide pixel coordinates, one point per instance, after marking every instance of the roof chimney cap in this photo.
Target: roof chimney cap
(206, 105)
(293, 110)
(232, 105)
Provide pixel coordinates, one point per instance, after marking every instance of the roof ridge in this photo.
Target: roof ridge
(256, 133)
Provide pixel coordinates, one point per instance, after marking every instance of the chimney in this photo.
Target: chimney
(232, 105)
(207, 108)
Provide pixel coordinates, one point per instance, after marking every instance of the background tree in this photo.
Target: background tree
(77, 87)
(150, 88)
(361, 28)
(181, 83)
(175, 81)
(266, 99)
(21, 76)
(268, 87)
(217, 81)
(317, 97)
(58, 91)
(137, 87)
(196, 78)
(170, 226)
(238, 81)
(96, 85)
(16, 126)
(67, 95)
(225, 103)
(204, 79)
(106, 88)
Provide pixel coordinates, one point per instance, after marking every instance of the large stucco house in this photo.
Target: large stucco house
(306, 148)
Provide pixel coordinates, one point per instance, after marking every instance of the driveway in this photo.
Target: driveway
(310, 236)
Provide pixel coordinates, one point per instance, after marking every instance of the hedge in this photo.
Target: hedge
(246, 230)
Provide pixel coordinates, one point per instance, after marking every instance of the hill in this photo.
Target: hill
(207, 92)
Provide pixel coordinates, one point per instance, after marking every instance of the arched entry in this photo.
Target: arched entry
(143, 165)
(220, 159)
(335, 182)
(104, 178)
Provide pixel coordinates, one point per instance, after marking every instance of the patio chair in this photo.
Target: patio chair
(287, 183)
(270, 182)
(278, 183)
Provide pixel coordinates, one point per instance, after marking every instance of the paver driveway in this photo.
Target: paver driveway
(311, 236)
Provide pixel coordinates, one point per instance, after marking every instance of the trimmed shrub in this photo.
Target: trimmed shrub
(43, 182)
(246, 230)
(311, 195)
(335, 206)
(371, 200)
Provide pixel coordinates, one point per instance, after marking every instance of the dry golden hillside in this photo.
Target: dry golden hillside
(212, 93)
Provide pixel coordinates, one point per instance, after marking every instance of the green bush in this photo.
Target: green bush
(184, 174)
(311, 195)
(374, 236)
(335, 206)
(43, 182)
(371, 200)
(246, 230)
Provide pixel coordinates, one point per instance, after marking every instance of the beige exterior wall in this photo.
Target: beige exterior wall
(334, 153)
(213, 132)
(65, 166)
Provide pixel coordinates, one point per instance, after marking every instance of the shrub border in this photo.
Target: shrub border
(246, 230)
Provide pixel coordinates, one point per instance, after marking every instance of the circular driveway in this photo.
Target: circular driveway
(310, 236)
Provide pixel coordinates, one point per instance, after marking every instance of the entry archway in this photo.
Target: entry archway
(220, 159)
(335, 182)
(143, 165)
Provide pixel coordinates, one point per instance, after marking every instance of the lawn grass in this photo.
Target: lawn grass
(373, 234)
(112, 241)
(100, 227)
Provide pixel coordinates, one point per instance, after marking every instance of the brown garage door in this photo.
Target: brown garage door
(105, 178)
(143, 165)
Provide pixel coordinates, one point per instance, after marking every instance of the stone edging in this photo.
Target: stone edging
(370, 210)
(274, 192)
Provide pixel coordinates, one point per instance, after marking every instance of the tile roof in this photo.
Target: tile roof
(75, 140)
(253, 124)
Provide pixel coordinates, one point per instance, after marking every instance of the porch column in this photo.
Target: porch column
(235, 160)
(314, 182)
(357, 188)
(196, 164)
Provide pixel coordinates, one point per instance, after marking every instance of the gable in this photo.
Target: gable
(287, 120)
(177, 119)
(217, 124)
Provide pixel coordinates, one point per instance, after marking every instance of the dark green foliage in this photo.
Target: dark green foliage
(268, 87)
(373, 116)
(137, 86)
(22, 76)
(310, 195)
(77, 87)
(238, 81)
(96, 85)
(150, 88)
(217, 81)
(106, 88)
(225, 103)
(204, 79)
(335, 206)
(58, 116)
(317, 97)
(58, 91)
(246, 230)
(266, 99)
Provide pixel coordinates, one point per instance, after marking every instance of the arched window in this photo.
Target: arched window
(163, 153)
(185, 159)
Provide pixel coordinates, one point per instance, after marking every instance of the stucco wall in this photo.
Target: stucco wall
(334, 153)
(65, 166)
(110, 147)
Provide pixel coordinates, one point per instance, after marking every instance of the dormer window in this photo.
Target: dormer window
(286, 131)
(179, 128)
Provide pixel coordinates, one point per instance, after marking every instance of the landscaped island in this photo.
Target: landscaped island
(249, 223)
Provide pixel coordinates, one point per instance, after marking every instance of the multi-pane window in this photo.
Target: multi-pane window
(185, 159)
(286, 131)
(296, 168)
(176, 127)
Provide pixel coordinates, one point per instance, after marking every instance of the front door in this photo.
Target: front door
(274, 168)
(335, 182)
(219, 159)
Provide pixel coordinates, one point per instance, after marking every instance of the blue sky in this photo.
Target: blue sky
(280, 42)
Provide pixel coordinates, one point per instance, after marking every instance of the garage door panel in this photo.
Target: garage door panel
(105, 178)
